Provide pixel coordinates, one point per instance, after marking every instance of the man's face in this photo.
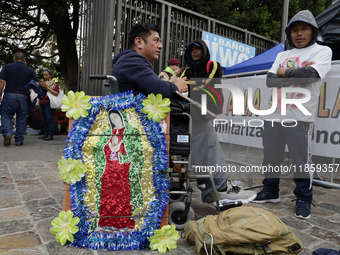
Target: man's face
(152, 48)
(196, 53)
(174, 67)
(301, 34)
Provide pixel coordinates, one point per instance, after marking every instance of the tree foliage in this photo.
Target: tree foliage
(43, 29)
(262, 17)
(28, 25)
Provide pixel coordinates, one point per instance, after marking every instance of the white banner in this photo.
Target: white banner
(247, 129)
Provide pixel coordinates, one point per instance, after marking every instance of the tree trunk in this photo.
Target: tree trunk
(68, 60)
(66, 40)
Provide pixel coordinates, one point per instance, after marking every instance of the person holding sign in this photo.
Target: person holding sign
(301, 67)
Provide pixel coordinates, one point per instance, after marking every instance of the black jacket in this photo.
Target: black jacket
(134, 72)
(200, 73)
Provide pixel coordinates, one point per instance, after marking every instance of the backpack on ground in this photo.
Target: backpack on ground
(242, 230)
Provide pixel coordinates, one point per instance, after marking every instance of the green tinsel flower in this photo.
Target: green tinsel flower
(156, 107)
(64, 227)
(76, 104)
(71, 170)
(164, 238)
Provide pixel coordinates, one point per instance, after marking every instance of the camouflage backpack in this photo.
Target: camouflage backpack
(242, 230)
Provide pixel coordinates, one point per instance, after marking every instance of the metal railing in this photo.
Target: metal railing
(105, 24)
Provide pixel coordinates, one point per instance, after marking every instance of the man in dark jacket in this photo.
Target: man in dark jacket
(132, 67)
(16, 75)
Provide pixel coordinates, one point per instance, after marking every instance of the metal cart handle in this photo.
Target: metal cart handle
(101, 77)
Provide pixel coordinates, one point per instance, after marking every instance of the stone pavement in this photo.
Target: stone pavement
(31, 194)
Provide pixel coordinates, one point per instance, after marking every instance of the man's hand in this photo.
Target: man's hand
(309, 64)
(181, 84)
(177, 72)
(281, 71)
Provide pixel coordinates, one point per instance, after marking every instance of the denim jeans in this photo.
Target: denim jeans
(14, 104)
(47, 115)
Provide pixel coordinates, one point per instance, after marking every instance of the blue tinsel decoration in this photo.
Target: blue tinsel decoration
(113, 240)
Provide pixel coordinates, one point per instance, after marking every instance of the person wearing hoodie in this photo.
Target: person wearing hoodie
(200, 71)
(206, 149)
(303, 66)
(132, 68)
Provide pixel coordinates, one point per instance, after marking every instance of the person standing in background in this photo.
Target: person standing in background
(47, 113)
(172, 71)
(15, 101)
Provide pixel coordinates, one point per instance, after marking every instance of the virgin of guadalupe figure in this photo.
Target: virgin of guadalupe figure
(115, 206)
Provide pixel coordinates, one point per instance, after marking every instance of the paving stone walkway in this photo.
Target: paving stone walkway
(31, 194)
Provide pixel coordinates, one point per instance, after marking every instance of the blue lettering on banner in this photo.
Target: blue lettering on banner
(225, 51)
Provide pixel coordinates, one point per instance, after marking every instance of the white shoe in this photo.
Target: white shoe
(201, 186)
(236, 194)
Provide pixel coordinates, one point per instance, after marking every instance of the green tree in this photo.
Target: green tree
(29, 25)
(262, 17)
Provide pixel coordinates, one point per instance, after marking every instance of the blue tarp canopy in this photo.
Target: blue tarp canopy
(260, 62)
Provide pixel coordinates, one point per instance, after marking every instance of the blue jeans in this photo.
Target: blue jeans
(14, 104)
(47, 115)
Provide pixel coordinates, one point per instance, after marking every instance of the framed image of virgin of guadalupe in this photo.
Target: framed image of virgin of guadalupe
(123, 194)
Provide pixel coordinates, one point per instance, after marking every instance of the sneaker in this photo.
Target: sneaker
(201, 186)
(266, 197)
(235, 193)
(7, 141)
(302, 209)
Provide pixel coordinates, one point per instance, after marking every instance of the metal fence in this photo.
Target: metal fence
(105, 25)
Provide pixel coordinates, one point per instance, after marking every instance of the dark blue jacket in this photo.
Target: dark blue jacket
(37, 89)
(134, 72)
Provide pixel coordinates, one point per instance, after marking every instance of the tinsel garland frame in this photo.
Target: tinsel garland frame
(114, 240)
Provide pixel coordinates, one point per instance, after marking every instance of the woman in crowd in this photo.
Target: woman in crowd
(47, 113)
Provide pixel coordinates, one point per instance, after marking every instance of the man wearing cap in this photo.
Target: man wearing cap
(302, 67)
(172, 71)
